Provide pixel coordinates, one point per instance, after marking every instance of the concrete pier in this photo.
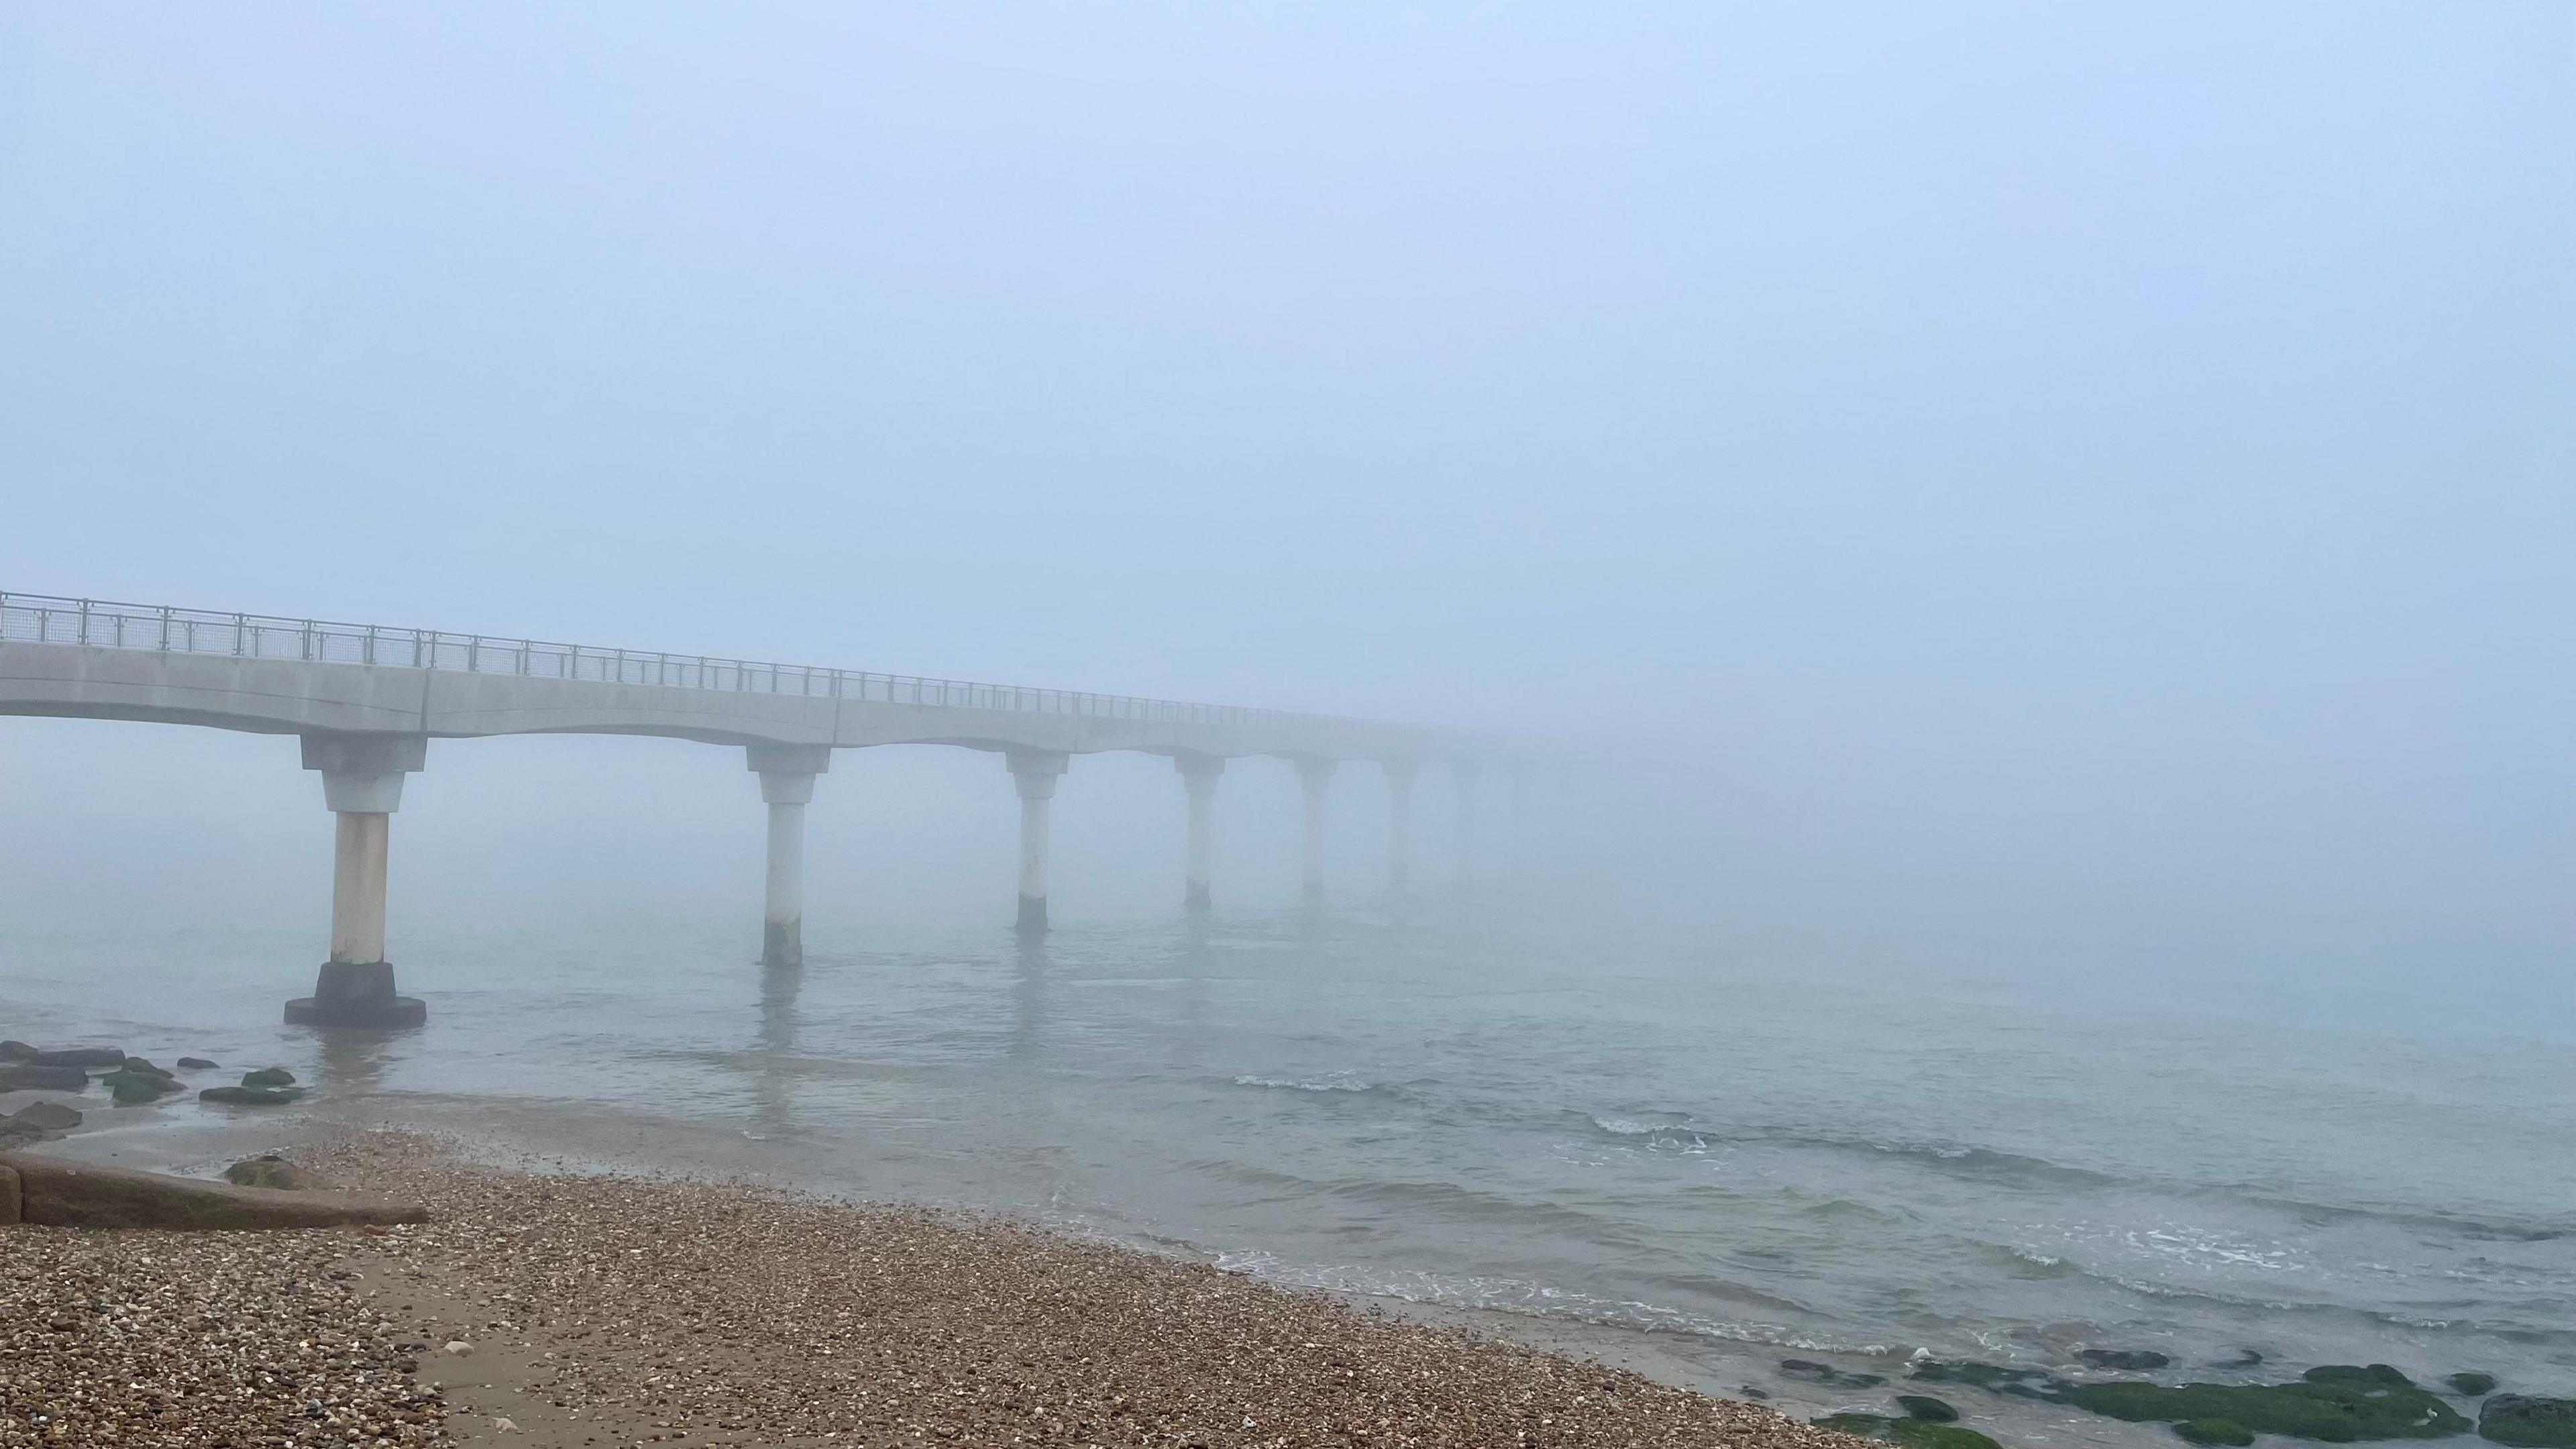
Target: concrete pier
(362, 778)
(1466, 773)
(787, 783)
(1199, 774)
(1399, 822)
(1317, 775)
(1036, 772)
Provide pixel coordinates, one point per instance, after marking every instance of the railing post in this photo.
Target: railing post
(84, 621)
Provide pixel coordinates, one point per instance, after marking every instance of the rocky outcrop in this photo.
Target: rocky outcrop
(2529, 1422)
(80, 1195)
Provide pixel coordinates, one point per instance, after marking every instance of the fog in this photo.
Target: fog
(2083, 487)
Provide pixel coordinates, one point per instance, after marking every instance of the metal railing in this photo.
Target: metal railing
(45, 619)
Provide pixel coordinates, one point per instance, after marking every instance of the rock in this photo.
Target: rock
(129, 1086)
(251, 1096)
(2338, 1403)
(503, 1424)
(1828, 1375)
(2472, 1384)
(1927, 1408)
(144, 1065)
(80, 1195)
(1755, 1392)
(269, 1077)
(9, 1214)
(16, 1051)
(2025, 1382)
(28, 1077)
(2246, 1358)
(15, 1134)
(196, 1064)
(2125, 1360)
(47, 1116)
(271, 1170)
(457, 1348)
(2533, 1423)
(2213, 1431)
(1916, 1433)
(81, 1057)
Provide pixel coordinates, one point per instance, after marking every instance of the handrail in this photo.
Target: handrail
(52, 619)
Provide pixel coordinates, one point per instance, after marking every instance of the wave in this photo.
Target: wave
(1337, 1082)
(2001, 1167)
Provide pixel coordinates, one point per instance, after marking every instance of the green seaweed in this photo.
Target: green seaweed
(1927, 1408)
(2529, 1423)
(1913, 1433)
(2337, 1404)
(2028, 1383)
(2214, 1431)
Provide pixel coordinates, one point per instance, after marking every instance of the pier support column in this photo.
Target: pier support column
(1036, 772)
(1399, 823)
(1199, 774)
(1317, 774)
(362, 778)
(1466, 773)
(787, 783)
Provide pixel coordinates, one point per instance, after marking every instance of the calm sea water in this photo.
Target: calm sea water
(1498, 1102)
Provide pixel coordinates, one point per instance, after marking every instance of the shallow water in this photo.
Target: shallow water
(1494, 1103)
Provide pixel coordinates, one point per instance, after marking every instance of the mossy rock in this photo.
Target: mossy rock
(143, 1065)
(1927, 1408)
(251, 1096)
(2474, 1385)
(1828, 1375)
(2026, 1382)
(2214, 1431)
(269, 1077)
(2528, 1422)
(1914, 1433)
(2338, 1404)
(129, 1087)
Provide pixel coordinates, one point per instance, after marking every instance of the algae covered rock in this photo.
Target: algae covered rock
(269, 1077)
(130, 1087)
(2471, 1384)
(2338, 1404)
(1828, 1375)
(2027, 1383)
(195, 1064)
(2214, 1431)
(2528, 1422)
(1915, 1433)
(1927, 1408)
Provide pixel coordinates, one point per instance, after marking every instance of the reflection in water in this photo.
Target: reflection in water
(352, 1061)
(1028, 997)
(777, 1042)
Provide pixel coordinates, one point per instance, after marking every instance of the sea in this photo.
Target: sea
(1498, 1099)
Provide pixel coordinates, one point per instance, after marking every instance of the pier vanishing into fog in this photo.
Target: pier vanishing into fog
(366, 701)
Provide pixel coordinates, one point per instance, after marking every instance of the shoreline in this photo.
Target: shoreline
(543, 1139)
(584, 1310)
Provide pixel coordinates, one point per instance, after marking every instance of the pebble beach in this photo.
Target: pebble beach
(545, 1309)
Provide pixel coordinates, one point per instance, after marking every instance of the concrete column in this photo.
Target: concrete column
(787, 783)
(362, 778)
(1199, 774)
(1466, 773)
(1399, 822)
(1036, 772)
(1317, 774)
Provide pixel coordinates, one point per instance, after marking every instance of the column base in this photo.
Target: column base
(357, 995)
(1033, 921)
(782, 943)
(1196, 898)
